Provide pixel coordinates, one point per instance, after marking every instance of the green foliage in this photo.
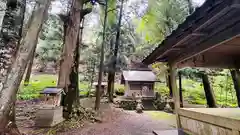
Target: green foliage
(162, 89)
(50, 40)
(193, 90)
(119, 89)
(162, 17)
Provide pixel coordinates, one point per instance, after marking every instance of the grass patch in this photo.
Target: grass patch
(163, 116)
(160, 115)
(39, 82)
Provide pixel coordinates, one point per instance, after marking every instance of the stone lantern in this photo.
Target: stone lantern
(50, 111)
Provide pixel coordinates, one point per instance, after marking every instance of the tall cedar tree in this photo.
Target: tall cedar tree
(15, 74)
(71, 33)
(10, 35)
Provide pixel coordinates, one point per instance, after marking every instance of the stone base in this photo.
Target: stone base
(49, 116)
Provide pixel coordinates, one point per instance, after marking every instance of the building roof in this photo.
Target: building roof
(201, 40)
(139, 76)
(52, 90)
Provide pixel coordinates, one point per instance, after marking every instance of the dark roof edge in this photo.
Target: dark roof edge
(208, 4)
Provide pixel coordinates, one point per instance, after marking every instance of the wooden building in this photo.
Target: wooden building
(138, 82)
(209, 38)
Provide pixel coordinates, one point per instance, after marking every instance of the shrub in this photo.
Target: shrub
(119, 90)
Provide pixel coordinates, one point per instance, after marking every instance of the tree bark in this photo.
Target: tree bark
(30, 63)
(110, 86)
(236, 82)
(211, 101)
(29, 70)
(70, 40)
(72, 97)
(10, 36)
(16, 72)
(68, 71)
(100, 74)
(116, 47)
(2, 12)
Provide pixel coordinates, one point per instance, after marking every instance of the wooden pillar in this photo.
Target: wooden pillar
(180, 88)
(168, 79)
(175, 91)
(236, 82)
(211, 101)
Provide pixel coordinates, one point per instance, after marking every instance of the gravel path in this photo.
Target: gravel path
(115, 121)
(126, 123)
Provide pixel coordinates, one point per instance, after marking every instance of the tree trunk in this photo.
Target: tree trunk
(29, 22)
(110, 86)
(73, 96)
(116, 46)
(92, 76)
(30, 63)
(16, 72)
(236, 82)
(2, 12)
(180, 88)
(67, 70)
(29, 71)
(211, 101)
(70, 40)
(100, 74)
(10, 36)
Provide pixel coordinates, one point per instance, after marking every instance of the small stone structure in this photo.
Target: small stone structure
(139, 107)
(50, 113)
(103, 87)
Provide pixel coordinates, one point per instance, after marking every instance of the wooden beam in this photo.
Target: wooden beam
(187, 38)
(211, 42)
(212, 16)
(172, 70)
(212, 60)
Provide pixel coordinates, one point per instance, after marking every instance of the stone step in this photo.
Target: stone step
(169, 132)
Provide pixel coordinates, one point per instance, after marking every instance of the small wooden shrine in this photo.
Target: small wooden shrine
(50, 112)
(208, 38)
(138, 82)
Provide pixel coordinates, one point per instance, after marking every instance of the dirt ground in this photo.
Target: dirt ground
(127, 123)
(114, 121)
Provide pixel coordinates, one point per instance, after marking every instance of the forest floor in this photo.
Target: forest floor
(114, 121)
